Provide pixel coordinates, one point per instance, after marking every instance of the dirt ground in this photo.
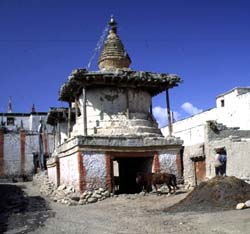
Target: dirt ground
(125, 214)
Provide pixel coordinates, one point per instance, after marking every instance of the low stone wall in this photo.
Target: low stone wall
(68, 195)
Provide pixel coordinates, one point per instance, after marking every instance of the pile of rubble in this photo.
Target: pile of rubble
(67, 194)
(218, 193)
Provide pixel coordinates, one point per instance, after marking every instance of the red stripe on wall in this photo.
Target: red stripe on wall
(45, 143)
(179, 164)
(23, 142)
(82, 172)
(109, 171)
(58, 175)
(156, 163)
(1, 151)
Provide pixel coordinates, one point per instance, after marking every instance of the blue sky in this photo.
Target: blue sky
(206, 42)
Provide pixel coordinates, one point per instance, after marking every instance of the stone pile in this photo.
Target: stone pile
(67, 194)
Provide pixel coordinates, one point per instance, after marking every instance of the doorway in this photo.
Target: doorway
(125, 168)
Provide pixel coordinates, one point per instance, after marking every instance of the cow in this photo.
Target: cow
(147, 180)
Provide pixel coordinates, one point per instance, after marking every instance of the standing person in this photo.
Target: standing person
(223, 160)
(217, 164)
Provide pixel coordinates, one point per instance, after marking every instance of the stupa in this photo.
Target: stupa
(108, 132)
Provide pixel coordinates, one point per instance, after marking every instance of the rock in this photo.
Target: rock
(72, 203)
(98, 196)
(247, 203)
(61, 187)
(70, 189)
(97, 192)
(101, 190)
(106, 194)
(82, 196)
(75, 198)
(82, 202)
(240, 206)
(92, 200)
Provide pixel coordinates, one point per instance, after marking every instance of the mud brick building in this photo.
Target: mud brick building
(108, 132)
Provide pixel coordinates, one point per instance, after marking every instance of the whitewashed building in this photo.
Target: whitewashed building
(109, 133)
(225, 126)
(19, 142)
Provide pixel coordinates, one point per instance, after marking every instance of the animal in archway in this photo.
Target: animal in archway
(147, 180)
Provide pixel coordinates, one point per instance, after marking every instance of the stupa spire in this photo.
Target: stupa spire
(114, 55)
(10, 105)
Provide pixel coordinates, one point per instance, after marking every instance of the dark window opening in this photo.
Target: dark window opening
(222, 103)
(10, 121)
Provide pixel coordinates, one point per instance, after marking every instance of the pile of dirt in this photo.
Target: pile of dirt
(219, 193)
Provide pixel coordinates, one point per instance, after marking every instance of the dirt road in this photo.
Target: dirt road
(126, 214)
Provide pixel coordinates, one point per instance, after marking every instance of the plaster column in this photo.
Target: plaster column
(22, 142)
(84, 113)
(127, 104)
(151, 109)
(45, 142)
(109, 171)
(58, 175)
(69, 119)
(76, 108)
(156, 163)
(58, 129)
(1, 151)
(168, 113)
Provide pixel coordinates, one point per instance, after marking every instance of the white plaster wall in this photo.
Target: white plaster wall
(235, 113)
(69, 171)
(34, 122)
(192, 129)
(139, 101)
(167, 161)
(52, 174)
(12, 154)
(106, 110)
(17, 123)
(32, 143)
(238, 160)
(29, 122)
(110, 101)
(95, 166)
(64, 132)
(29, 165)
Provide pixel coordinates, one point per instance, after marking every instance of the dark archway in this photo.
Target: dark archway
(127, 169)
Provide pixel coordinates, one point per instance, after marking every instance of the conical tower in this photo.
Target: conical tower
(114, 55)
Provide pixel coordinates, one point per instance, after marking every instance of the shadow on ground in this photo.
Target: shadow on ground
(20, 213)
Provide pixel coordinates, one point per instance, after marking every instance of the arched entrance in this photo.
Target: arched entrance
(124, 169)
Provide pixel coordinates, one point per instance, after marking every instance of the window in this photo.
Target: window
(222, 102)
(10, 121)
